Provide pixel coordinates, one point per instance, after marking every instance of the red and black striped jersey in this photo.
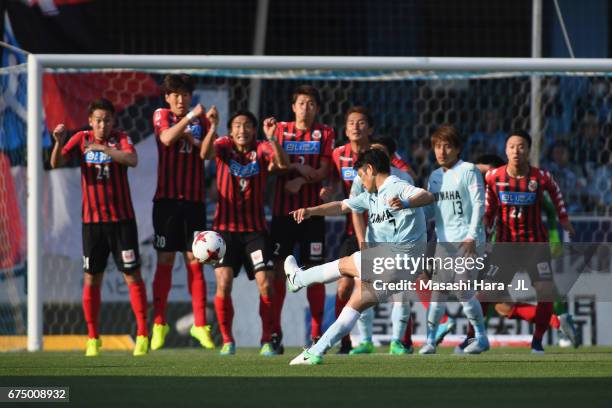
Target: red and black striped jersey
(399, 163)
(241, 181)
(516, 204)
(344, 159)
(106, 191)
(311, 147)
(180, 170)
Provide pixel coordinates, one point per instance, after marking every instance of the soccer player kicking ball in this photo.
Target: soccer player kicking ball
(179, 209)
(458, 189)
(242, 169)
(514, 196)
(309, 145)
(400, 311)
(393, 217)
(109, 225)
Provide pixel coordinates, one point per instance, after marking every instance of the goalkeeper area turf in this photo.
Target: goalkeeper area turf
(191, 377)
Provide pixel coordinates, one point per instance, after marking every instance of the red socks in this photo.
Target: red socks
(316, 300)
(138, 299)
(267, 318)
(91, 309)
(195, 279)
(225, 317)
(542, 319)
(407, 339)
(161, 287)
(280, 289)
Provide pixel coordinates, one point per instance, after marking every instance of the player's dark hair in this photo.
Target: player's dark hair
(520, 133)
(306, 90)
(492, 160)
(386, 141)
(178, 83)
(362, 110)
(102, 104)
(375, 158)
(252, 118)
(446, 133)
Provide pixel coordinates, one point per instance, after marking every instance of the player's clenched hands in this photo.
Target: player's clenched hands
(59, 133)
(269, 127)
(198, 110)
(213, 116)
(300, 215)
(96, 147)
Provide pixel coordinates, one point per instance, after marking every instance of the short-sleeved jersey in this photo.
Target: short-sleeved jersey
(386, 224)
(310, 147)
(241, 181)
(180, 171)
(459, 203)
(516, 204)
(106, 192)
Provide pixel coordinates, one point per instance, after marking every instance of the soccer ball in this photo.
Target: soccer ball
(208, 247)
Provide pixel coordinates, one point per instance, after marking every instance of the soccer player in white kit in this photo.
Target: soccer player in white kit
(458, 209)
(393, 216)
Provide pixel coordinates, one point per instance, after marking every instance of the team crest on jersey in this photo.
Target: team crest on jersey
(316, 134)
(253, 155)
(532, 185)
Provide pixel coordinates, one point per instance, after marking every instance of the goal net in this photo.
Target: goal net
(574, 110)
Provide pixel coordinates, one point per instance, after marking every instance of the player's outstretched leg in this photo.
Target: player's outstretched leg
(298, 278)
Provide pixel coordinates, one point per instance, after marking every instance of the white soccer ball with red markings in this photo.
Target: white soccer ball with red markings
(208, 247)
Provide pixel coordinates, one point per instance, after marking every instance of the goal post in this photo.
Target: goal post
(356, 69)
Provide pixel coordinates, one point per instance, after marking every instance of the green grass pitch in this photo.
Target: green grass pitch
(503, 377)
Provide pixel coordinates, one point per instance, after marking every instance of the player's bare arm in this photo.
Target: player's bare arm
(171, 135)
(59, 135)
(333, 208)
(281, 159)
(206, 149)
(421, 199)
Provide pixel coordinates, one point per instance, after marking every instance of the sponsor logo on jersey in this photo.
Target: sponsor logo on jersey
(97, 158)
(381, 217)
(516, 198)
(532, 185)
(288, 135)
(502, 183)
(348, 173)
(348, 159)
(196, 130)
(447, 195)
(244, 171)
(299, 148)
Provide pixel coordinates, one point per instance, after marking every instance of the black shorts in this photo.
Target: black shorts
(117, 238)
(176, 222)
(310, 234)
(348, 246)
(507, 259)
(249, 249)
